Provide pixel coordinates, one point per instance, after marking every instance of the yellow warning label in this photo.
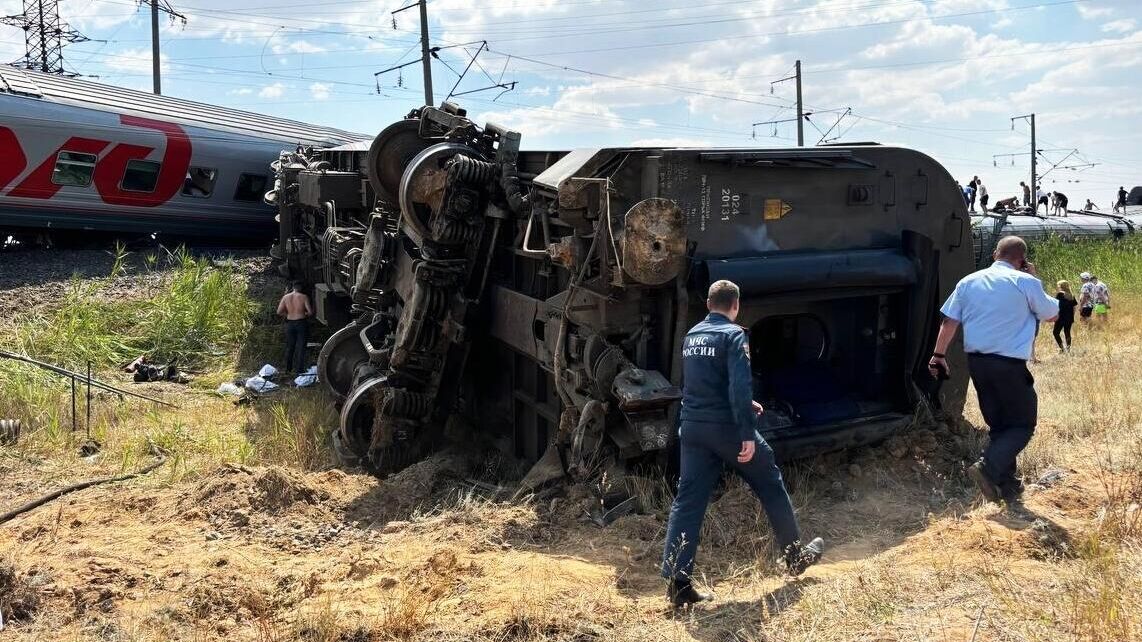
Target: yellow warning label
(775, 208)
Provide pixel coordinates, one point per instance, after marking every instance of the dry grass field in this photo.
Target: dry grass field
(248, 532)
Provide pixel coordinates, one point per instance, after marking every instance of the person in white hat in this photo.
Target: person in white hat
(1086, 298)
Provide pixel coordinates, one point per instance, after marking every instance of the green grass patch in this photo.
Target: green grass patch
(1116, 262)
(179, 307)
(197, 315)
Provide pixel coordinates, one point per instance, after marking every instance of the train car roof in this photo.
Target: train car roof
(92, 95)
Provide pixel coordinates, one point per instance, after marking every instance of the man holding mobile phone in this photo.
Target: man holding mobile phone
(1000, 308)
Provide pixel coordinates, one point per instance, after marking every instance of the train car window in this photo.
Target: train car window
(199, 182)
(141, 175)
(251, 187)
(73, 168)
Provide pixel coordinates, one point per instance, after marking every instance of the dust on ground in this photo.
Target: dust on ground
(269, 553)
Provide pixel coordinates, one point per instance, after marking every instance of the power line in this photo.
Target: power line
(675, 43)
(689, 23)
(678, 86)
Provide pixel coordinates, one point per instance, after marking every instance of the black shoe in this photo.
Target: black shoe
(683, 593)
(986, 486)
(1013, 493)
(799, 557)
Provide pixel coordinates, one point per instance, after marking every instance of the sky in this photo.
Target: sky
(942, 76)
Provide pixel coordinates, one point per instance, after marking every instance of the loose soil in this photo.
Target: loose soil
(210, 548)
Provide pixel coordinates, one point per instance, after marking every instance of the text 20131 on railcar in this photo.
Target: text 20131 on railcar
(543, 295)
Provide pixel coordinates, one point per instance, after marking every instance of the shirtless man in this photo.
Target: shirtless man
(295, 307)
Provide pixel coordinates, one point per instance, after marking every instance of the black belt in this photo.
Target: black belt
(996, 357)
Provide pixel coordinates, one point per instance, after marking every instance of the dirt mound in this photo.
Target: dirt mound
(416, 487)
(238, 489)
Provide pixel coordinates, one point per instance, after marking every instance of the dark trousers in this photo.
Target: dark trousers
(296, 334)
(1010, 407)
(1063, 328)
(706, 449)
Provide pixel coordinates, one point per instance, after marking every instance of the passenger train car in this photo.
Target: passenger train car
(989, 227)
(79, 155)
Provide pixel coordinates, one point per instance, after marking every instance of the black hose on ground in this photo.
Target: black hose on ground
(36, 503)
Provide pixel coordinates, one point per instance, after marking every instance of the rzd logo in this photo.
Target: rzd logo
(109, 169)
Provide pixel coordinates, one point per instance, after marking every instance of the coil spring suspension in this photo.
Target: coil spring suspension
(454, 232)
(394, 408)
(469, 170)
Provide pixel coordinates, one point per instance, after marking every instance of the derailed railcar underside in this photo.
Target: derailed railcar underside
(542, 295)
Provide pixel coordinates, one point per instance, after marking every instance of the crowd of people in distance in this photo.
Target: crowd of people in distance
(1053, 203)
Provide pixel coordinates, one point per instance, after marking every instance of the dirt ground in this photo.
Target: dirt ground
(224, 543)
(272, 554)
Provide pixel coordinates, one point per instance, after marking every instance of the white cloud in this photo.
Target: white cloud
(276, 90)
(244, 91)
(297, 46)
(136, 61)
(1088, 12)
(319, 91)
(1125, 25)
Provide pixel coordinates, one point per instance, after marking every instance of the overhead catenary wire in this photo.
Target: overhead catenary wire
(676, 43)
(676, 86)
(663, 85)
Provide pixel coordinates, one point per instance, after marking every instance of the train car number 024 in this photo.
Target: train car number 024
(733, 203)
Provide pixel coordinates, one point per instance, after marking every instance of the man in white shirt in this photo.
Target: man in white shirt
(1041, 198)
(999, 308)
(982, 193)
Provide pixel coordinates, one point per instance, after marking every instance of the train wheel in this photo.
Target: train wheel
(423, 185)
(339, 358)
(392, 150)
(358, 416)
(409, 442)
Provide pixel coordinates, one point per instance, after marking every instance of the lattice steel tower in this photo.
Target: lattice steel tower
(44, 36)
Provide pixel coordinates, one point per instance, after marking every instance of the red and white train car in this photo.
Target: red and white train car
(79, 155)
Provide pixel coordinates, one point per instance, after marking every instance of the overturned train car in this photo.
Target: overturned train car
(543, 295)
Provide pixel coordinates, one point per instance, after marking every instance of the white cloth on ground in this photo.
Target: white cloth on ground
(259, 384)
(307, 378)
(228, 388)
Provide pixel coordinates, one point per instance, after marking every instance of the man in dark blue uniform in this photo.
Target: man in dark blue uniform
(719, 426)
